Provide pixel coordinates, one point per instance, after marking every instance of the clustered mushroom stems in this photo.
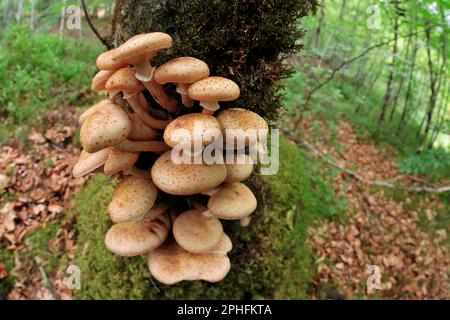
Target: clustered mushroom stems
(113, 139)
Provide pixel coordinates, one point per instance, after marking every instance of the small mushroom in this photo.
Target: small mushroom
(88, 162)
(182, 71)
(136, 172)
(102, 105)
(232, 201)
(186, 178)
(132, 199)
(197, 233)
(211, 90)
(143, 146)
(240, 169)
(157, 92)
(170, 263)
(119, 160)
(137, 237)
(99, 80)
(123, 80)
(107, 127)
(140, 131)
(105, 61)
(194, 129)
(139, 50)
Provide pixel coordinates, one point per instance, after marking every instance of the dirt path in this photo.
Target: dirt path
(378, 230)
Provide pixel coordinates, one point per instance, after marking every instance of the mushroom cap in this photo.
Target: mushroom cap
(139, 130)
(105, 61)
(137, 237)
(96, 107)
(170, 264)
(186, 179)
(124, 80)
(233, 201)
(240, 169)
(181, 70)
(197, 233)
(142, 44)
(214, 89)
(177, 129)
(99, 80)
(88, 162)
(133, 198)
(104, 128)
(238, 118)
(119, 160)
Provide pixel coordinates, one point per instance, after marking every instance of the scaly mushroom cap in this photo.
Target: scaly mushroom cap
(186, 179)
(142, 45)
(232, 202)
(119, 160)
(123, 80)
(137, 237)
(132, 199)
(182, 129)
(88, 162)
(105, 61)
(214, 89)
(170, 263)
(181, 70)
(240, 169)
(140, 131)
(102, 105)
(197, 233)
(105, 128)
(99, 80)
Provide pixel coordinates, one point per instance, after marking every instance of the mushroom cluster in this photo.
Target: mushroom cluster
(170, 210)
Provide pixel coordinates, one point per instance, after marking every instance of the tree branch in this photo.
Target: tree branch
(91, 25)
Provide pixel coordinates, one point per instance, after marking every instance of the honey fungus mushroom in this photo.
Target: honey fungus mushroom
(197, 233)
(140, 131)
(105, 128)
(119, 160)
(132, 199)
(99, 80)
(135, 237)
(105, 61)
(211, 90)
(186, 178)
(88, 162)
(240, 168)
(170, 263)
(182, 72)
(102, 105)
(139, 50)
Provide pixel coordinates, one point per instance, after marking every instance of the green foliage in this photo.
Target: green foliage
(37, 72)
(269, 260)
(430, 162)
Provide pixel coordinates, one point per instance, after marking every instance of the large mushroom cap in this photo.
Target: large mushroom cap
(197, 233)
(214, 89)
(125, 81)
(137, 237)
(142, 44)
(132, 199)
(170, 264)
(182, 129)
(186, 179)
(105, 61)
(140, 131)
(104, 128)
(99, 80)
(119, 160)
(240, 169)
(238, 118)
(181, 70)
(102, 105)
(88, 162)
(232, 202)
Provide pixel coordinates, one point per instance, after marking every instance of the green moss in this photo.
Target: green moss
(269, 260)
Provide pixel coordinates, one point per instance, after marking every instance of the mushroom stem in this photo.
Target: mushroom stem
(245, 221)
(135, 103)
(182, 89)
(154, 112)
(211, 192)
(210, 106)
(144, 68)
(143, 146)
(136, 172)
(118, 99)
(160, 96)
(199, 206)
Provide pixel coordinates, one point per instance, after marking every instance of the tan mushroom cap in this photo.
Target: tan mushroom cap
(197, 233)
(240, 169)
(232, 202)
(132, 199)
(170, 263)
(102, 105)
(105, 128)
(119, 160)
(214, 89)
(140, 131)
(123, 80)
(182, 129)
(105, 61)
(181, 70)
(137, 237)
(142, 44)
(186, 179)
(99, 80)
(88, 162)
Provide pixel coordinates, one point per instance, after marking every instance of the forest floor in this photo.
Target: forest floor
(401, 233)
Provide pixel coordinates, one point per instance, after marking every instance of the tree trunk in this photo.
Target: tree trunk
(319, 25)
